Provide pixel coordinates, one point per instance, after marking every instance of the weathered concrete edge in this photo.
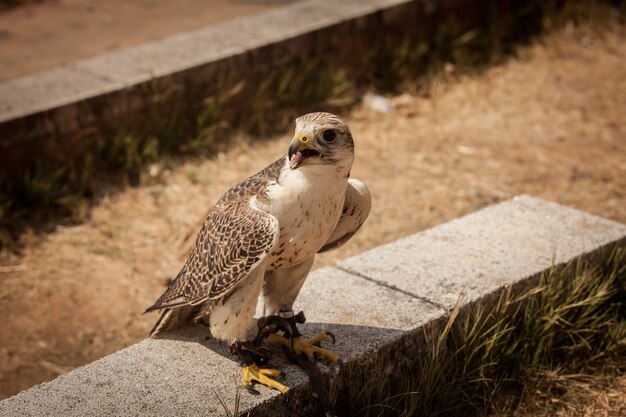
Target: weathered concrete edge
(275, 405)
(144, 87)
(176, 53)
(529, 233)
(120, 69)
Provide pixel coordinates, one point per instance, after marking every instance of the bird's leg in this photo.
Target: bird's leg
(251, 357)
(292, 338)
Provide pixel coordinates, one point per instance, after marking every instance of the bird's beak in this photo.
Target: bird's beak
(301, 148)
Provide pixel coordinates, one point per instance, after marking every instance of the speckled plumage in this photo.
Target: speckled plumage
(263, 234)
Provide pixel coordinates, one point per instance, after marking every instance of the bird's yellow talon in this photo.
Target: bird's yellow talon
(306, 346)
(270, 372)
(253, 373)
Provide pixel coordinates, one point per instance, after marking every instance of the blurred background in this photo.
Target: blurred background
(452, 109)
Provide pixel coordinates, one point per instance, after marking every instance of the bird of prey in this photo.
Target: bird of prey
(262, 237)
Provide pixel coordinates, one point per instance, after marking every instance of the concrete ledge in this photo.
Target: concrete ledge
(116, 70)
(376, 302)
(114, 92)
(480, 253)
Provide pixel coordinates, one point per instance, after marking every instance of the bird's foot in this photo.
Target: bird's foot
(297, 348)
(292, 338)
(251, 357)
(309, 347)
(250, 353)
(252, 373)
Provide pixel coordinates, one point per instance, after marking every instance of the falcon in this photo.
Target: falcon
(262, 236)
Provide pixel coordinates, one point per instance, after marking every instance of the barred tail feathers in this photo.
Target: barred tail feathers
(172, 318)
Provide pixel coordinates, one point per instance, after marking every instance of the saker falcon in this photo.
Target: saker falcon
(262, 237)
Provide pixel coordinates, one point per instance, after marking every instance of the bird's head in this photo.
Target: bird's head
(321, 139)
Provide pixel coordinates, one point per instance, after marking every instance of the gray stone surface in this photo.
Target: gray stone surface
(195, 48)
(119, 69)
(362, 314)
(377, 306)
(154, 377)
(486, 250)
(53, 88)
(181, 374)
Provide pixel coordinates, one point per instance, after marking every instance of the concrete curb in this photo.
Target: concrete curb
(117, 70)
(126, 91)
(375, 303)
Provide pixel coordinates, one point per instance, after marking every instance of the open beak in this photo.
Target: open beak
(300, 150)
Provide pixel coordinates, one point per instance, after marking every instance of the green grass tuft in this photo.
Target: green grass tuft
(574, 315)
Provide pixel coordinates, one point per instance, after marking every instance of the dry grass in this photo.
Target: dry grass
(486, 355)
(596, 390)
(549, 123)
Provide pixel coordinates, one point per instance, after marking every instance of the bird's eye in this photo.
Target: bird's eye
(329, 135)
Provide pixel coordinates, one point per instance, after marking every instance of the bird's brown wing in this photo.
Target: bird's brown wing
(234, 239)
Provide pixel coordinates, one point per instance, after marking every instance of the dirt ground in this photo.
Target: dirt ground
(551, 123)
(39, 36)
(597, 391)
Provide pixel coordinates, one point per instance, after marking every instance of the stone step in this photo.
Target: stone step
(374, 303)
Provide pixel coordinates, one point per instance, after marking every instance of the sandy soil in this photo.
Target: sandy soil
(551, 123)
(40, 36)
